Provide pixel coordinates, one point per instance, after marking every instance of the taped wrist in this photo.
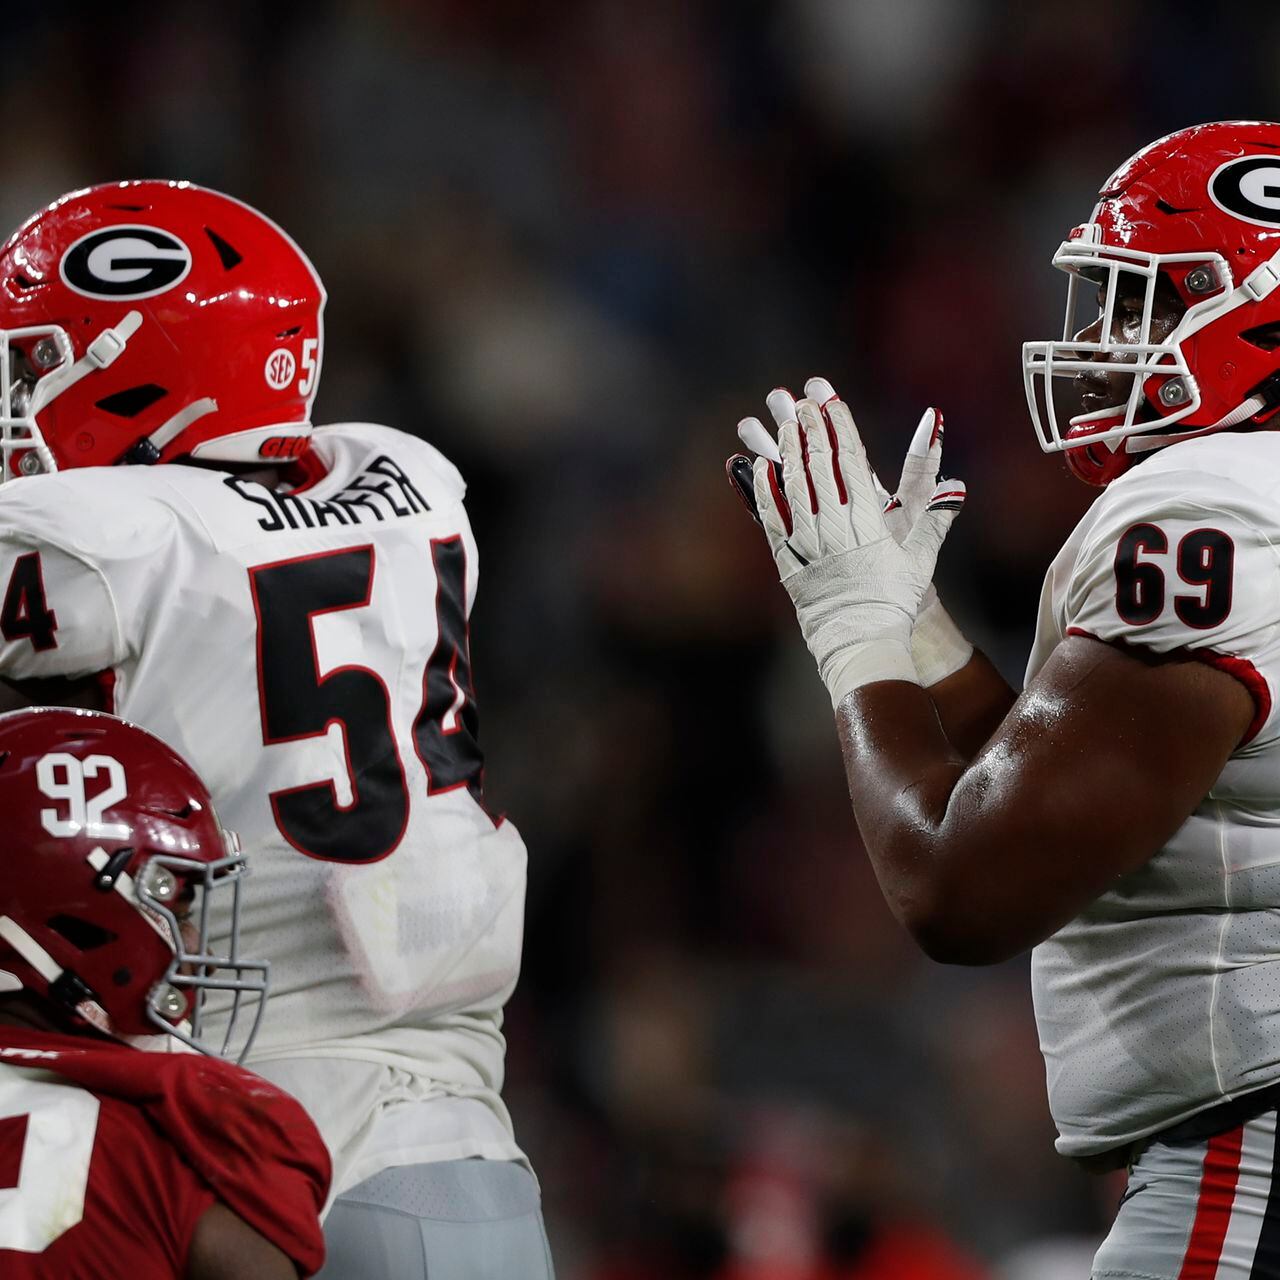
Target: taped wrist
(867, 663)
(856, 619)
(938, 647)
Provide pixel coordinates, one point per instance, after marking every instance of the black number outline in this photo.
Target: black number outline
(1133, 574)
(25, 614)
(453, 638)
(1203, 615)
(384, 848)
(1140, 584)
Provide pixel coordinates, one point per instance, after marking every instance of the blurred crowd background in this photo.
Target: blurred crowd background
(572, 244)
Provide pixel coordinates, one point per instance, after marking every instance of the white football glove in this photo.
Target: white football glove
(938, 646)
(856, 589)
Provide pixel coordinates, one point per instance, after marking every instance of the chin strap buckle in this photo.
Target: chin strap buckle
(69, 991)
(142, 453)
(1262, 280)
(109, 344)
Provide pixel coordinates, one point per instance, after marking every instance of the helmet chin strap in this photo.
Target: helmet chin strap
(104, 350)
(162, 1043)
(30, 950)
(1241, 413)
(146, 450)
(173, 427)
(55, 975)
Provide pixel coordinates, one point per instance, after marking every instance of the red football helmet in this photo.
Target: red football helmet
(1199, 209)
(148, 321)
(109, 837)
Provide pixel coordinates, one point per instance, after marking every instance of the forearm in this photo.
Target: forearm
(990, 821)
(971, 703)
(971, 696)
(901, 771)
(1089, 775)
(972, 866)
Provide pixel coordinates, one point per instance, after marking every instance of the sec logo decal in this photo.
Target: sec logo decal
(280, 368)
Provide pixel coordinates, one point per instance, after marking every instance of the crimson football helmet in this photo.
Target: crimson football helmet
(1198, 211)
(113, 856)
(148, 321)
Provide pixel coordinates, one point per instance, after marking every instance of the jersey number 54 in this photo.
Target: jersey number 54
(297, 702)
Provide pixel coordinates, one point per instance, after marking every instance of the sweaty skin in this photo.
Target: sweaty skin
(993, 819)
(983, 853)
(1103, 389)
(971, 703)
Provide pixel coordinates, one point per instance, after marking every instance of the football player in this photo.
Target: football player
(116, 1162)
(289, 609)
(1121, 816)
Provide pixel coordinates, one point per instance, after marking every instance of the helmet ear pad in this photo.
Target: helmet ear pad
(229, 336)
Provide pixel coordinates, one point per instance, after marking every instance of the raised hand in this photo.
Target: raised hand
(856, 589)
(938, 647)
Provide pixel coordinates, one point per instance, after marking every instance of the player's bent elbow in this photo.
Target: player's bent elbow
(965, 951)
(956, 911)
(950, 936)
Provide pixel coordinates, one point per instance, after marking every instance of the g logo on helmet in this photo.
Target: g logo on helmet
(1249, 188)
(125, 262)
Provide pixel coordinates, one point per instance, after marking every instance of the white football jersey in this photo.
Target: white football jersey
(308, 654)
(1163, 997)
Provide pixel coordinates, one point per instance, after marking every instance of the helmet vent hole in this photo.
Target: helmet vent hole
(230, 256)
(24, 282)
(130, 208)
(288, 333)
(130, 403)
(1266, 337)
(84, 935)
(1165, 207)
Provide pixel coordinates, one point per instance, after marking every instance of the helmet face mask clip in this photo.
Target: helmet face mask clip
(23, 450)
(178, 1002)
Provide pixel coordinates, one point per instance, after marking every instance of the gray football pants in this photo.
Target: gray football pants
(1207, 1210)
(455, 1220)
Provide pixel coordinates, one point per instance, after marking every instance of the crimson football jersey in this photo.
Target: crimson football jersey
(109, 1157)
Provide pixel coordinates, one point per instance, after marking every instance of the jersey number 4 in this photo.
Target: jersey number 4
(25, 614)
(299, 703)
